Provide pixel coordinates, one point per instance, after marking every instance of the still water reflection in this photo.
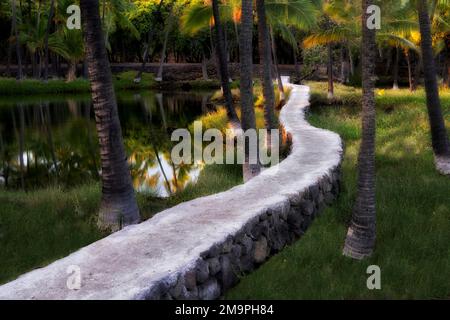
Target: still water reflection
(48, 140)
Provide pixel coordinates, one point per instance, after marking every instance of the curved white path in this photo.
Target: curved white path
(128, 263)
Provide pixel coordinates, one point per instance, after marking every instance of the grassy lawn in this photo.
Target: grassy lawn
(41, 226)
(413, 207)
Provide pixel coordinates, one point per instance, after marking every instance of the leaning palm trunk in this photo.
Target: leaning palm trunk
(47, 33)
(410, 78)
(223, 65)
(16, 34)
(439, 137)
(396, 66)
(118, 205)
(150, 35)
(265, 57)
(330, 72)
(159, 76)
(251, 166)
(204, 68)
(276, 67)
(361, 234)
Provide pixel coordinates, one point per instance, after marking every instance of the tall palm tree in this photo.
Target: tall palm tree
(439, 137)
(250, 168)
(265, 57)
(330, 71)
(16, 35)
(223, 64)
(47, 33)
(168, 27)
(118, 205)
(151, 31)
(360, 240)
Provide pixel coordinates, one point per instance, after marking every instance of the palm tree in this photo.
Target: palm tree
(250, 169)
(69, 45)
(360, 240)
(330, 71)
(439, 137)
(223, 65)
(265, 57)
(16, 34)
(47, 33)
(118, 205)
(151, 32)
(168, 27)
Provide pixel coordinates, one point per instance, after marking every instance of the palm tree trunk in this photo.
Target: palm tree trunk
(118, 205)
(265, 62)
(16, 34)
(8, 63)
(447, 61)
(47, 33)
(298, 73)
(439, 137)
(159, 76)
(330, 72)
(71, 71)
(417, 69)
(223, 65)
(360, 240)
(204, 68)
(251, 166)
(277, 69)
(350, 60)
(410, 78)
(236, 32)
(396, 65)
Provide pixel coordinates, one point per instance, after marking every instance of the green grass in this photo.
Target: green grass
(413, 213)
(41, 226)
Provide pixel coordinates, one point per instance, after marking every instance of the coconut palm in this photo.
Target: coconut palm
(15, 30)
(118, 205)
(250, 167)
(360, 240)
(223, 64)
(151, 32)
(167, 29)
(47, 33)
(439, 137)
(69, 45)
(338, 25)
(265, 57)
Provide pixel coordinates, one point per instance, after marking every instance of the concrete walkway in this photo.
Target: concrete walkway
(131, 263)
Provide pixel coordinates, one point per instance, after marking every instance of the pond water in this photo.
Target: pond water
(54, 138)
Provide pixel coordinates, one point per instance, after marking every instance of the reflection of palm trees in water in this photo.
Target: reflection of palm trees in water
(161, 150)
(56, 143)
(46, 122)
